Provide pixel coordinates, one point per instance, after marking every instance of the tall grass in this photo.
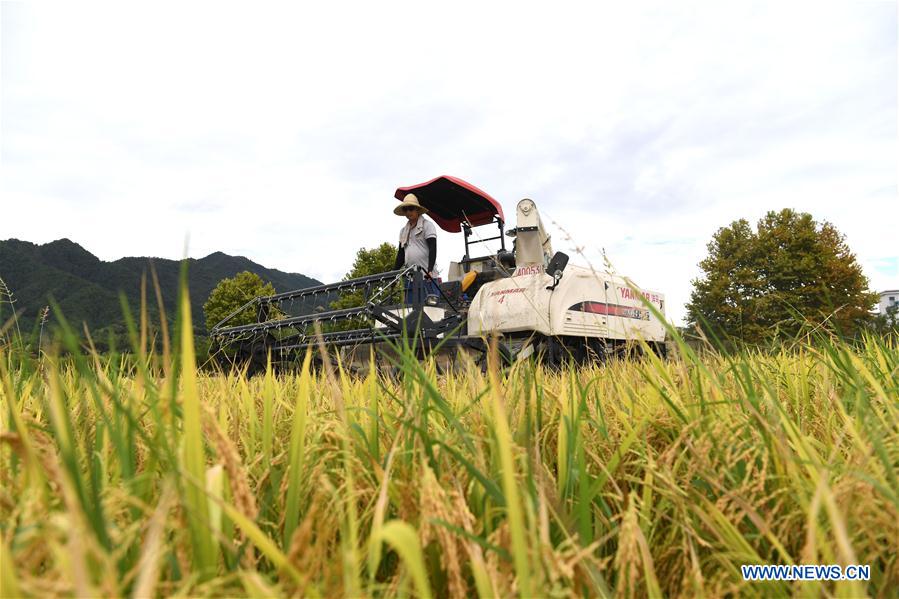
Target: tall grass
(145, 476)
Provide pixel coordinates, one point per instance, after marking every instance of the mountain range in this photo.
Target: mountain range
(87, 288)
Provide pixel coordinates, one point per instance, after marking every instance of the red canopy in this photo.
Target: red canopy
(450, 201)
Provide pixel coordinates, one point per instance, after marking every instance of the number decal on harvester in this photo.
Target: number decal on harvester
(533, 269)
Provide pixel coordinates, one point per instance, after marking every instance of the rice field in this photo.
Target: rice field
(150, 477)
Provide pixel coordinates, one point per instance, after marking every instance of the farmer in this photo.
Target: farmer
(418, 240)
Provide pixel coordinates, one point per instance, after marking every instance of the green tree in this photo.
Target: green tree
(230, 294)
(775, 280)
(368, 262)
(372, 261)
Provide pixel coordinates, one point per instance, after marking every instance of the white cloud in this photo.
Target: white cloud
(280, 133)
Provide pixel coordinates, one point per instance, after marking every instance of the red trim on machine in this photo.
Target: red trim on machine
(610, 310)
(451, 201)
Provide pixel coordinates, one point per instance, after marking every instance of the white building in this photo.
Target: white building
(888, 298)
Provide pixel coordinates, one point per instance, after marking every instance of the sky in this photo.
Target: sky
(281, 132)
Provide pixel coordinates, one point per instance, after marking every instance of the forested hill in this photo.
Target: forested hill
(87, 288)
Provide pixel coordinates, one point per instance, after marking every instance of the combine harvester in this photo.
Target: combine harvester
(529, 297)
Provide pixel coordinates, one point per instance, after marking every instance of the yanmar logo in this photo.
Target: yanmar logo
(502, 293)
(628, 294)
(508, 291)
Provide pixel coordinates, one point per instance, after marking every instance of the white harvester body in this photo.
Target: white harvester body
(583, 303)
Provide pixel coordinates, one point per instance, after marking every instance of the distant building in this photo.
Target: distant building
(887, 299)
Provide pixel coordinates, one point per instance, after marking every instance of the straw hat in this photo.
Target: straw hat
(409, 200)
